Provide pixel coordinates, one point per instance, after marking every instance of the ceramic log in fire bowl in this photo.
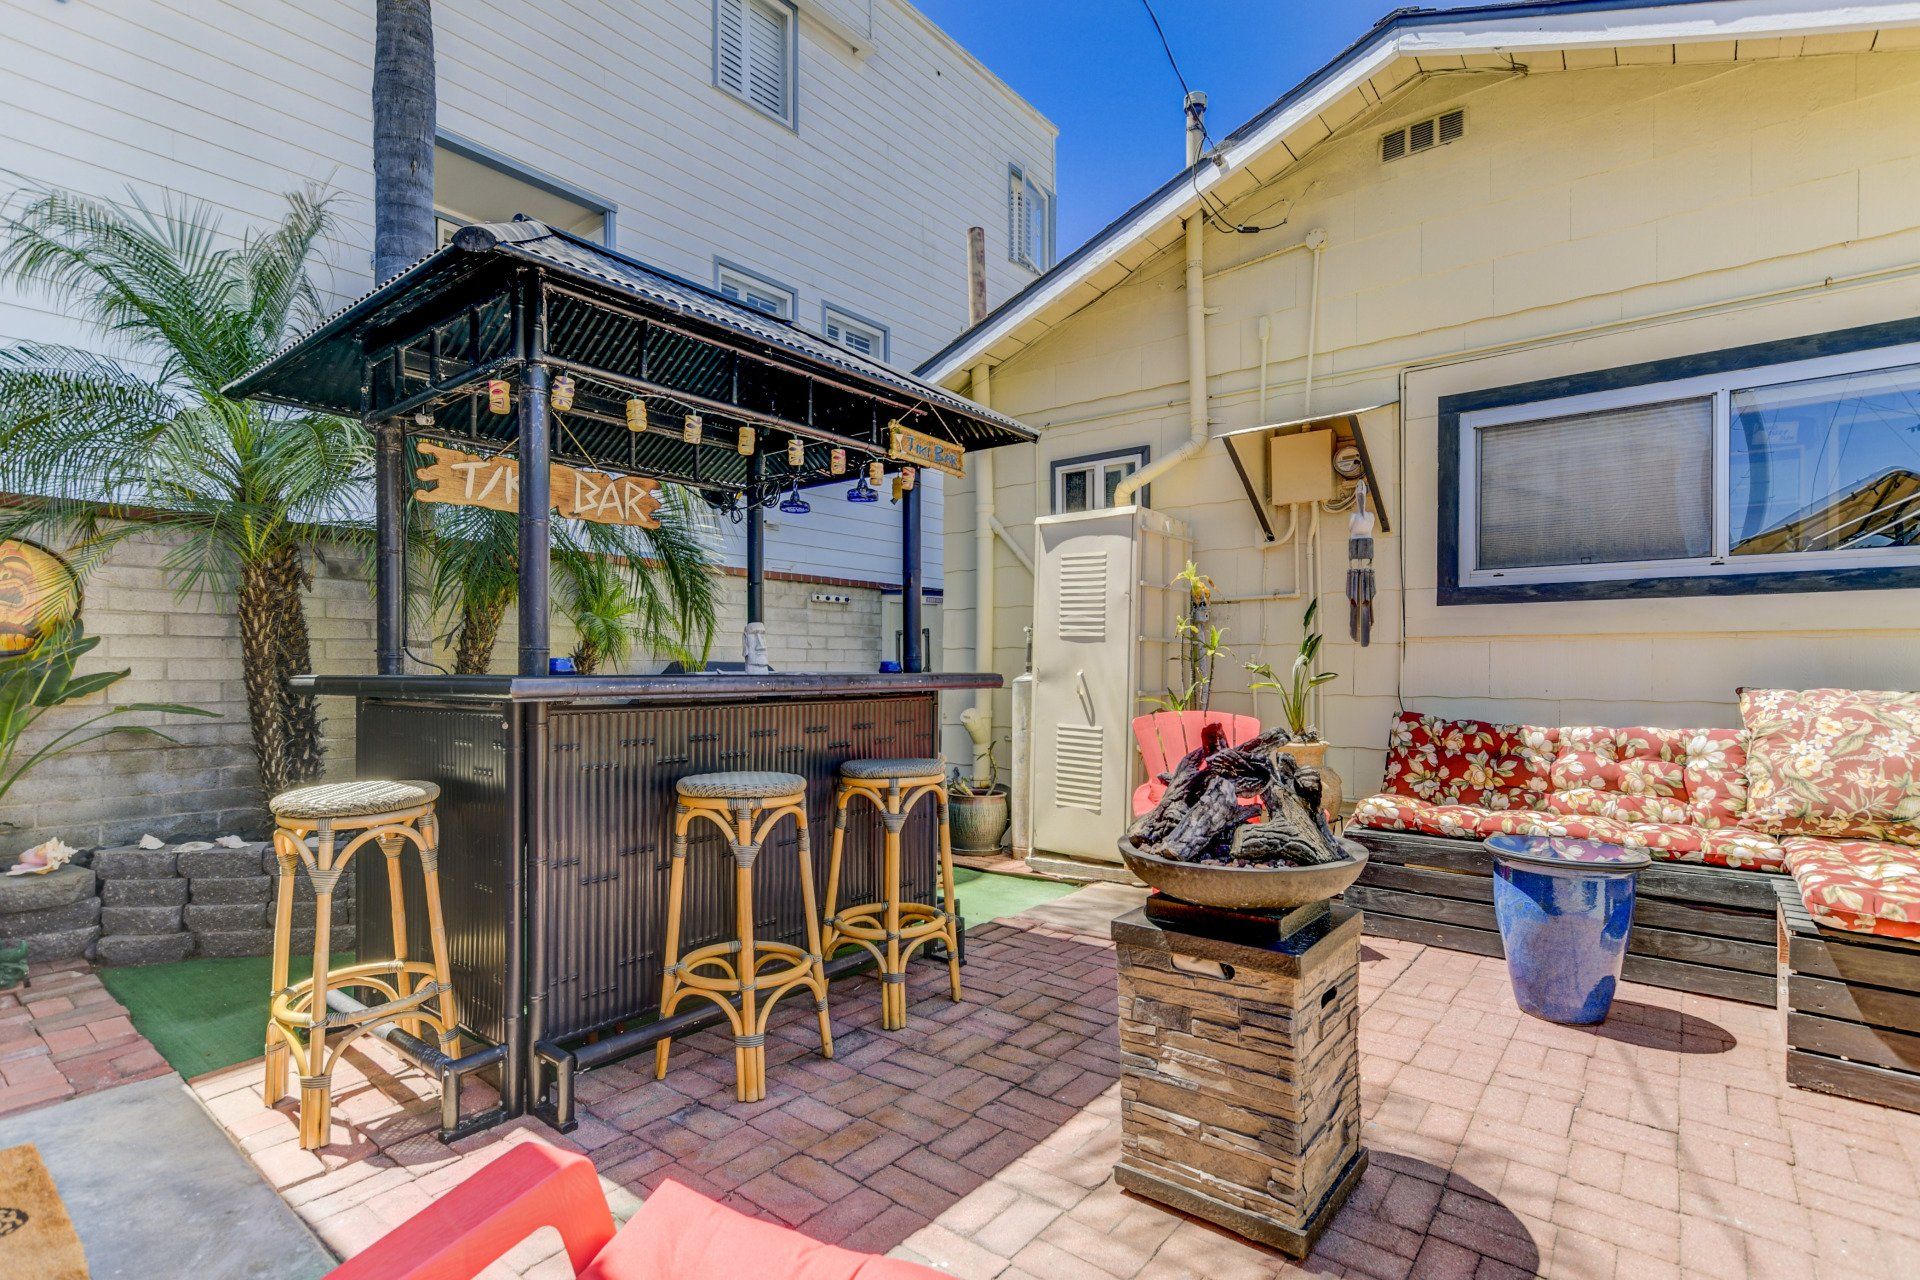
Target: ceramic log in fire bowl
(1270, 888)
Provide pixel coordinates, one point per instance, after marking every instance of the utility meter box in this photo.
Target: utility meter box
(1104, 607)
(1300, 468)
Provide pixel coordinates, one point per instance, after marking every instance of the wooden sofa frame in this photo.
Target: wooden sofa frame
(1852, 1005)
(1710, 930)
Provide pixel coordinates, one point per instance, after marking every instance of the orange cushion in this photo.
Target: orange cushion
(1864, 886)
(1631, 775)
(679, 1234)
(1841, 764)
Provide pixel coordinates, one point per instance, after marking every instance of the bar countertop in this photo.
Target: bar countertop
(703, 687)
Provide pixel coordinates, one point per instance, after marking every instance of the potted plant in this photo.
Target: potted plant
(1296, 689)
(1200, 646)
(978, 814)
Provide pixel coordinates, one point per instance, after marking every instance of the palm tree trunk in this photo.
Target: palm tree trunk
(295, 654)
(586, 659)
(274, 646)
(473, 645)
(403, 135)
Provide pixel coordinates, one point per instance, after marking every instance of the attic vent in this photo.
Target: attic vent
(1423, 135)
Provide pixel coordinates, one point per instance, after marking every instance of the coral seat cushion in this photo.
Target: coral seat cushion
(1469, 762)
(1863, 886)
(1841, 764)
(679, 1234)
(1668, 842)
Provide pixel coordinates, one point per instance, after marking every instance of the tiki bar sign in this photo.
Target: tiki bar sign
(470, 480)
(926, 451)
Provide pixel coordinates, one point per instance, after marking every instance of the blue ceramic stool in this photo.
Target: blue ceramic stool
(1564, 908)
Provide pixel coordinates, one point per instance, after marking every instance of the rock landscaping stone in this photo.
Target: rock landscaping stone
(65, 944)
(139, 921)
(259, 942)
(143, 893)
(131, 862)
(225, 917)
(230, 890)
(218, 863)
(57, 888)
(30, 924)
(154, 949)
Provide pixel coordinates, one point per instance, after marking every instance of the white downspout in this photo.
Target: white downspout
(1197, 430)
(980, 722)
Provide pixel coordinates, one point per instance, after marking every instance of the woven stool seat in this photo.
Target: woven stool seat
(352, 799)
(742, 785)
(903, 767)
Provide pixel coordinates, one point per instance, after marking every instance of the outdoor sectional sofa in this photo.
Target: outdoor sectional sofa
(1787, 858)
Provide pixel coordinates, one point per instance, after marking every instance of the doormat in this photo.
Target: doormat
(37, 1239)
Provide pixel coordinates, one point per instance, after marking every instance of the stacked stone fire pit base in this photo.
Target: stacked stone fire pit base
(1240, 1077)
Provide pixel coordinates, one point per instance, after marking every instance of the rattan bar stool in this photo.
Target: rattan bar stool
(346, 817)
(891, 929)
(736, 975)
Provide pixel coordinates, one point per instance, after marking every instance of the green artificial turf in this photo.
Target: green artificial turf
(206, 1014)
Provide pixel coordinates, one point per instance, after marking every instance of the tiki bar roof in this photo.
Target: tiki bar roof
(424, 345)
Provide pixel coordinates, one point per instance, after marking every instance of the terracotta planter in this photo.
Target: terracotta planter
(979, 822)
(1332, 790)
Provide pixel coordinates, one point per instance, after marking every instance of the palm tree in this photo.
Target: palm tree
(619, 585)
(245, 490)
(404, 110)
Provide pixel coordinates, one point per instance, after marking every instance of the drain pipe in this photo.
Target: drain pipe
(979, 720)
(1197, 431)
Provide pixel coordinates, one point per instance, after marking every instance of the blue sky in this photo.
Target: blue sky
(1096, 69)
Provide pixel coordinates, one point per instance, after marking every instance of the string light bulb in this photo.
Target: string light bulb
(838, 462)
(690, 428)
(796, 453)
(876, 472)
(906, 478)
(899, 487)
(499, 395)
(636, 415)
(562, 393)
(744, 442)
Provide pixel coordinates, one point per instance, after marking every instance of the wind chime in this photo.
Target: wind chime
(1360, 581)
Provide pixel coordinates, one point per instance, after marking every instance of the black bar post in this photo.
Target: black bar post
(912, 651)
(536, 520)
(756, 538)
(390, 534)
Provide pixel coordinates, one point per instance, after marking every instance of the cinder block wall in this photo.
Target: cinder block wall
(185, 648)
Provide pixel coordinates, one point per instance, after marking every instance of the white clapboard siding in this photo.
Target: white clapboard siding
(862, 202)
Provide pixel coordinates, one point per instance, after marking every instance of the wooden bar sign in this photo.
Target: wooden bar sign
(926, 451)
(471, 480)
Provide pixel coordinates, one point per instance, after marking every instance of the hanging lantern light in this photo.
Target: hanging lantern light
(793, 504)
(876, 472)
(690, 428)
(838, 463)
(744, 443)
(636, 414)
(796, 453)
(899, 487)
(861, 493)
(906, 478)
(562, 395)
(499, 395)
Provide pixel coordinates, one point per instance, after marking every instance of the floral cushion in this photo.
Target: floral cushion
(1630, 775)
(1716, 777)
(1469, 762)
(1864, 886)
(1388, 812)
(1836, 763)
(1736, 848)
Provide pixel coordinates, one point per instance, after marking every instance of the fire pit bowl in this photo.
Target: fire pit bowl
(1274, 888)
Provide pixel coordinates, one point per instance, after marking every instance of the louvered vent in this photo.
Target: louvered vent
(1078, 768)
(1083, 595)
(1423, 135)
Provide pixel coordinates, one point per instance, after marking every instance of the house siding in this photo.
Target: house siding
(1589, 219)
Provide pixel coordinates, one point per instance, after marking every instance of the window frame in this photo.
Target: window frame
(508, 167)
(1058, 468)
(1031, 190)
(1718, 375)
(723, 267)
(744, 94)
(832, 311)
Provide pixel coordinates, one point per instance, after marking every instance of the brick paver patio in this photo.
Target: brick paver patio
(1664, 1143)
(63, 1035)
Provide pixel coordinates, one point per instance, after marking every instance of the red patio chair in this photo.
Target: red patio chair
(678, 1234)
(1165, 736)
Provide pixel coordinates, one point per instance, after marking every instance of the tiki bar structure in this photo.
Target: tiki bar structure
(521, 356)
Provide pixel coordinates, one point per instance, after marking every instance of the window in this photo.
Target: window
(750, 290)
(1741, 478)
(1029, 221)
(755, 53)
(472, 183)
(854, 333)
(1088, 484)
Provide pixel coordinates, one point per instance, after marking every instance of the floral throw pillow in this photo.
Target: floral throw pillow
(1470, 762)
(1833, 762)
